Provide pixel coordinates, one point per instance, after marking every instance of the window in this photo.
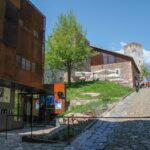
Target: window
(18, 61)
(35, 34)
(111, 59)
(20, 22)
(23, 66)
(43, 47)
(23, 63)
(11, 12)
(133, 50)
(108, 59)
(28, 65)
(117, 71)
(10, 34)
(33, 67)
(105, 58)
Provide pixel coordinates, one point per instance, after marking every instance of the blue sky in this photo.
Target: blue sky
(108, 23)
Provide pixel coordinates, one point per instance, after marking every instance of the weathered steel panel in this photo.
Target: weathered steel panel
(2, 14)
(25, 43)
(24, 37)
(2, 59)
(10, 63)
(26, 12)
(23, 77)
(16, 3)
(10, 34)
(35, 80)
(11, 12)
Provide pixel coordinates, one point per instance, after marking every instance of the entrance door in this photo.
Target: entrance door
(27, 109)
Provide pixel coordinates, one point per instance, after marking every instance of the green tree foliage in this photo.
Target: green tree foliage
(67, 47)
(144, 71)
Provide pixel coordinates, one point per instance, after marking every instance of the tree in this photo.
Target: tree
(144, 71)
(67, 47)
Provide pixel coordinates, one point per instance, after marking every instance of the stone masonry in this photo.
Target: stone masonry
(125, 70)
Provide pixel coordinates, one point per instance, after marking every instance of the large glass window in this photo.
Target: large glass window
(108, 59)
(33, 67)
(18, 61)
(5, 94)
(18, 105)
(28, 65)
(23, 63)
(105, 58)
(111, 59)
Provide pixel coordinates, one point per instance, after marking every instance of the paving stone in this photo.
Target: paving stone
(105, 134)
(19, 148)
(121, 134)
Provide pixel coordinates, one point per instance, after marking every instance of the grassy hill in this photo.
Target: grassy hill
(94, 95)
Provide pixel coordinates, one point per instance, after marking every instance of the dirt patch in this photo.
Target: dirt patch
(93, 94)
(78, 102)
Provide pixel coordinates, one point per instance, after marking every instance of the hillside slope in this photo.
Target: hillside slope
(94, 95)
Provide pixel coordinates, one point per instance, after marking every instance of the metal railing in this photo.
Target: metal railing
(70, 127)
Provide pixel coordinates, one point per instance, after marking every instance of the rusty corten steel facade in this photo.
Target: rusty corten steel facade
(22, 37)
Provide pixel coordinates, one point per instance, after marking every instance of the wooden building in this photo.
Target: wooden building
(22, 33)
(124, 65)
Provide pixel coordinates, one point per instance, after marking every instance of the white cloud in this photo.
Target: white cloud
(120, 51)
(123, 43)
(146, 56)
(145, 52)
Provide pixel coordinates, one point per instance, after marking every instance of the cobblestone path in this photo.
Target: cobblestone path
(120, 134)
(106, 134)
(14, 142)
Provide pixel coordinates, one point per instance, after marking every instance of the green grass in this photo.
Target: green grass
(106, 90)
(108, 93)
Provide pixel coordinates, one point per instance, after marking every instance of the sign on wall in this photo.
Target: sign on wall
(5, 94)
(58, 104)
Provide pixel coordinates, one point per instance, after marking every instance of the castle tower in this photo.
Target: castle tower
(135, 50)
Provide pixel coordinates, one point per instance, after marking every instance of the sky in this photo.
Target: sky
(109, 24)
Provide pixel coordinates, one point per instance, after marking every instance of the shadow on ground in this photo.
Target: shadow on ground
(90, 133)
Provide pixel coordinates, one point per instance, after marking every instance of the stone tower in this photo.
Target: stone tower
(135, 50)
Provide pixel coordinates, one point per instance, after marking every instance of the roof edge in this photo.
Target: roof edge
(129, 57)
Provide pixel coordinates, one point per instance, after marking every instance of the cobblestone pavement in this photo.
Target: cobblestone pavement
(120, 134)
(14, 142)
(106, 134)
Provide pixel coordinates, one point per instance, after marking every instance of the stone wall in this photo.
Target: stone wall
(126, 71)
(135, 75)
(53, 76)
(84, 67)
(135, 50)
